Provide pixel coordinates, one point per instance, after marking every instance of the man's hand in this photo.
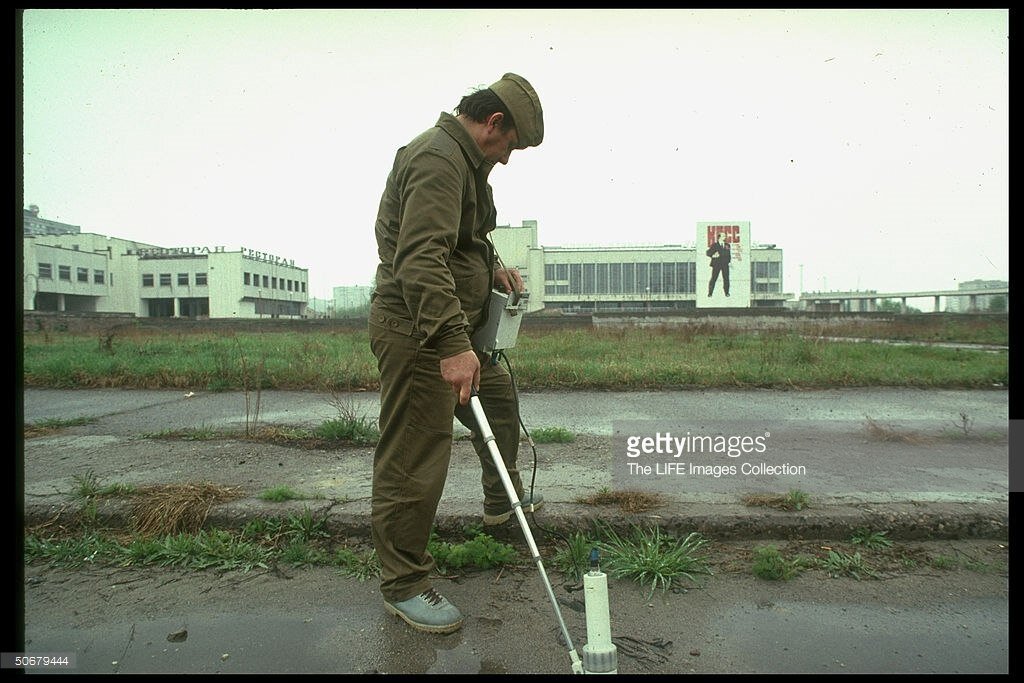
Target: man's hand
(462, 372)
(507, 279)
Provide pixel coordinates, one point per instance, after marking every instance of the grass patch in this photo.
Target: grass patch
(481, 551)
(652, 559)
(281, 532)
(839, 563)
(280, 494)
(49, 426)
(771, 565)
(358, 565)
(794, 500)
(201, 433)
(207, 549)
(359, 430)
(574, 560)
(875, 540)
(552, 435)
(330, 434)
(962, 561)
(603, 358)
(630, 502)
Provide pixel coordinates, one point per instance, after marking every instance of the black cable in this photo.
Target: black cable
(529, 439)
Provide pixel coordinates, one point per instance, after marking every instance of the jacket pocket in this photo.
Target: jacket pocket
(472, 291)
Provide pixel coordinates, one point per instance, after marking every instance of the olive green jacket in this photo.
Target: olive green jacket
(436, 262)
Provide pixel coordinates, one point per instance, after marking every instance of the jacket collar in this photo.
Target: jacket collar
(449, 124)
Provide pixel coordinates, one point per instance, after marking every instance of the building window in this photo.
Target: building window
(266, 281)
(83, 274)
(46, 271)
(766, 269)
(628, 278)
(686, 278)
(97, 277)
(656, 278)
(562, 271)
(303, 287)
(549, 272)
(615, 278)
(588, 278)
(575, 278)
(245, 278)
(147, 279)
(273, 283)
(642, 285)
(64, 273)
(201, 279)
(668, 278)
(602, 278)
(183, 279)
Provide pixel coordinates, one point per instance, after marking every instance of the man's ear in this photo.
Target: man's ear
(495, 120)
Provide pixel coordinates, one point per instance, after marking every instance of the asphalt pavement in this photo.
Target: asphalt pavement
(921, 464)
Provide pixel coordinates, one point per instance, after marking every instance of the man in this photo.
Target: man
(437, 267)
(721, 255)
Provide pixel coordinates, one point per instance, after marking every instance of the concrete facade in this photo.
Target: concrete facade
(88, 272)
(630, 277)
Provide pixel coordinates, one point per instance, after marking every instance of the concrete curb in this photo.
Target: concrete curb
(900, 521)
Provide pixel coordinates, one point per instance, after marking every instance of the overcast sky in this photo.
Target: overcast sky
(872, 146)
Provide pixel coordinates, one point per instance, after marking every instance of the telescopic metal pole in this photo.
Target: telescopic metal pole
(517, 507)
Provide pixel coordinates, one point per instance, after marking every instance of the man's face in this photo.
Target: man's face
(504, 145)
(500, 143)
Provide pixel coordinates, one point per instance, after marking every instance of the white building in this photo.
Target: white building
(87, 272)
(629, 277)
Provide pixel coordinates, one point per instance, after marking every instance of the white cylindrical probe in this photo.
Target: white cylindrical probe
(599, 654)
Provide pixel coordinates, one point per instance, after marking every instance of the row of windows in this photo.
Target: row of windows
(767, 269)
(640, 278)
(620, 278)
(64, 273)
(165, 279)
(269, 282)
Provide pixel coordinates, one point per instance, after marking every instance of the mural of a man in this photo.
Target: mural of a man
(721, 255)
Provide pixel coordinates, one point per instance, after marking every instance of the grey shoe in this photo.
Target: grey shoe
(429, 611)
(530, 503)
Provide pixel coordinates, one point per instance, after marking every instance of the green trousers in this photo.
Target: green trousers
(410, 463)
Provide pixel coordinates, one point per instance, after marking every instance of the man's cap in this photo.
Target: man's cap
(522, 102)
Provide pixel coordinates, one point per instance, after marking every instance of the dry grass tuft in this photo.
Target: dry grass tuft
(764, 500)
(176, 508)
(890, 434)
(34, 431)
(628, 501)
